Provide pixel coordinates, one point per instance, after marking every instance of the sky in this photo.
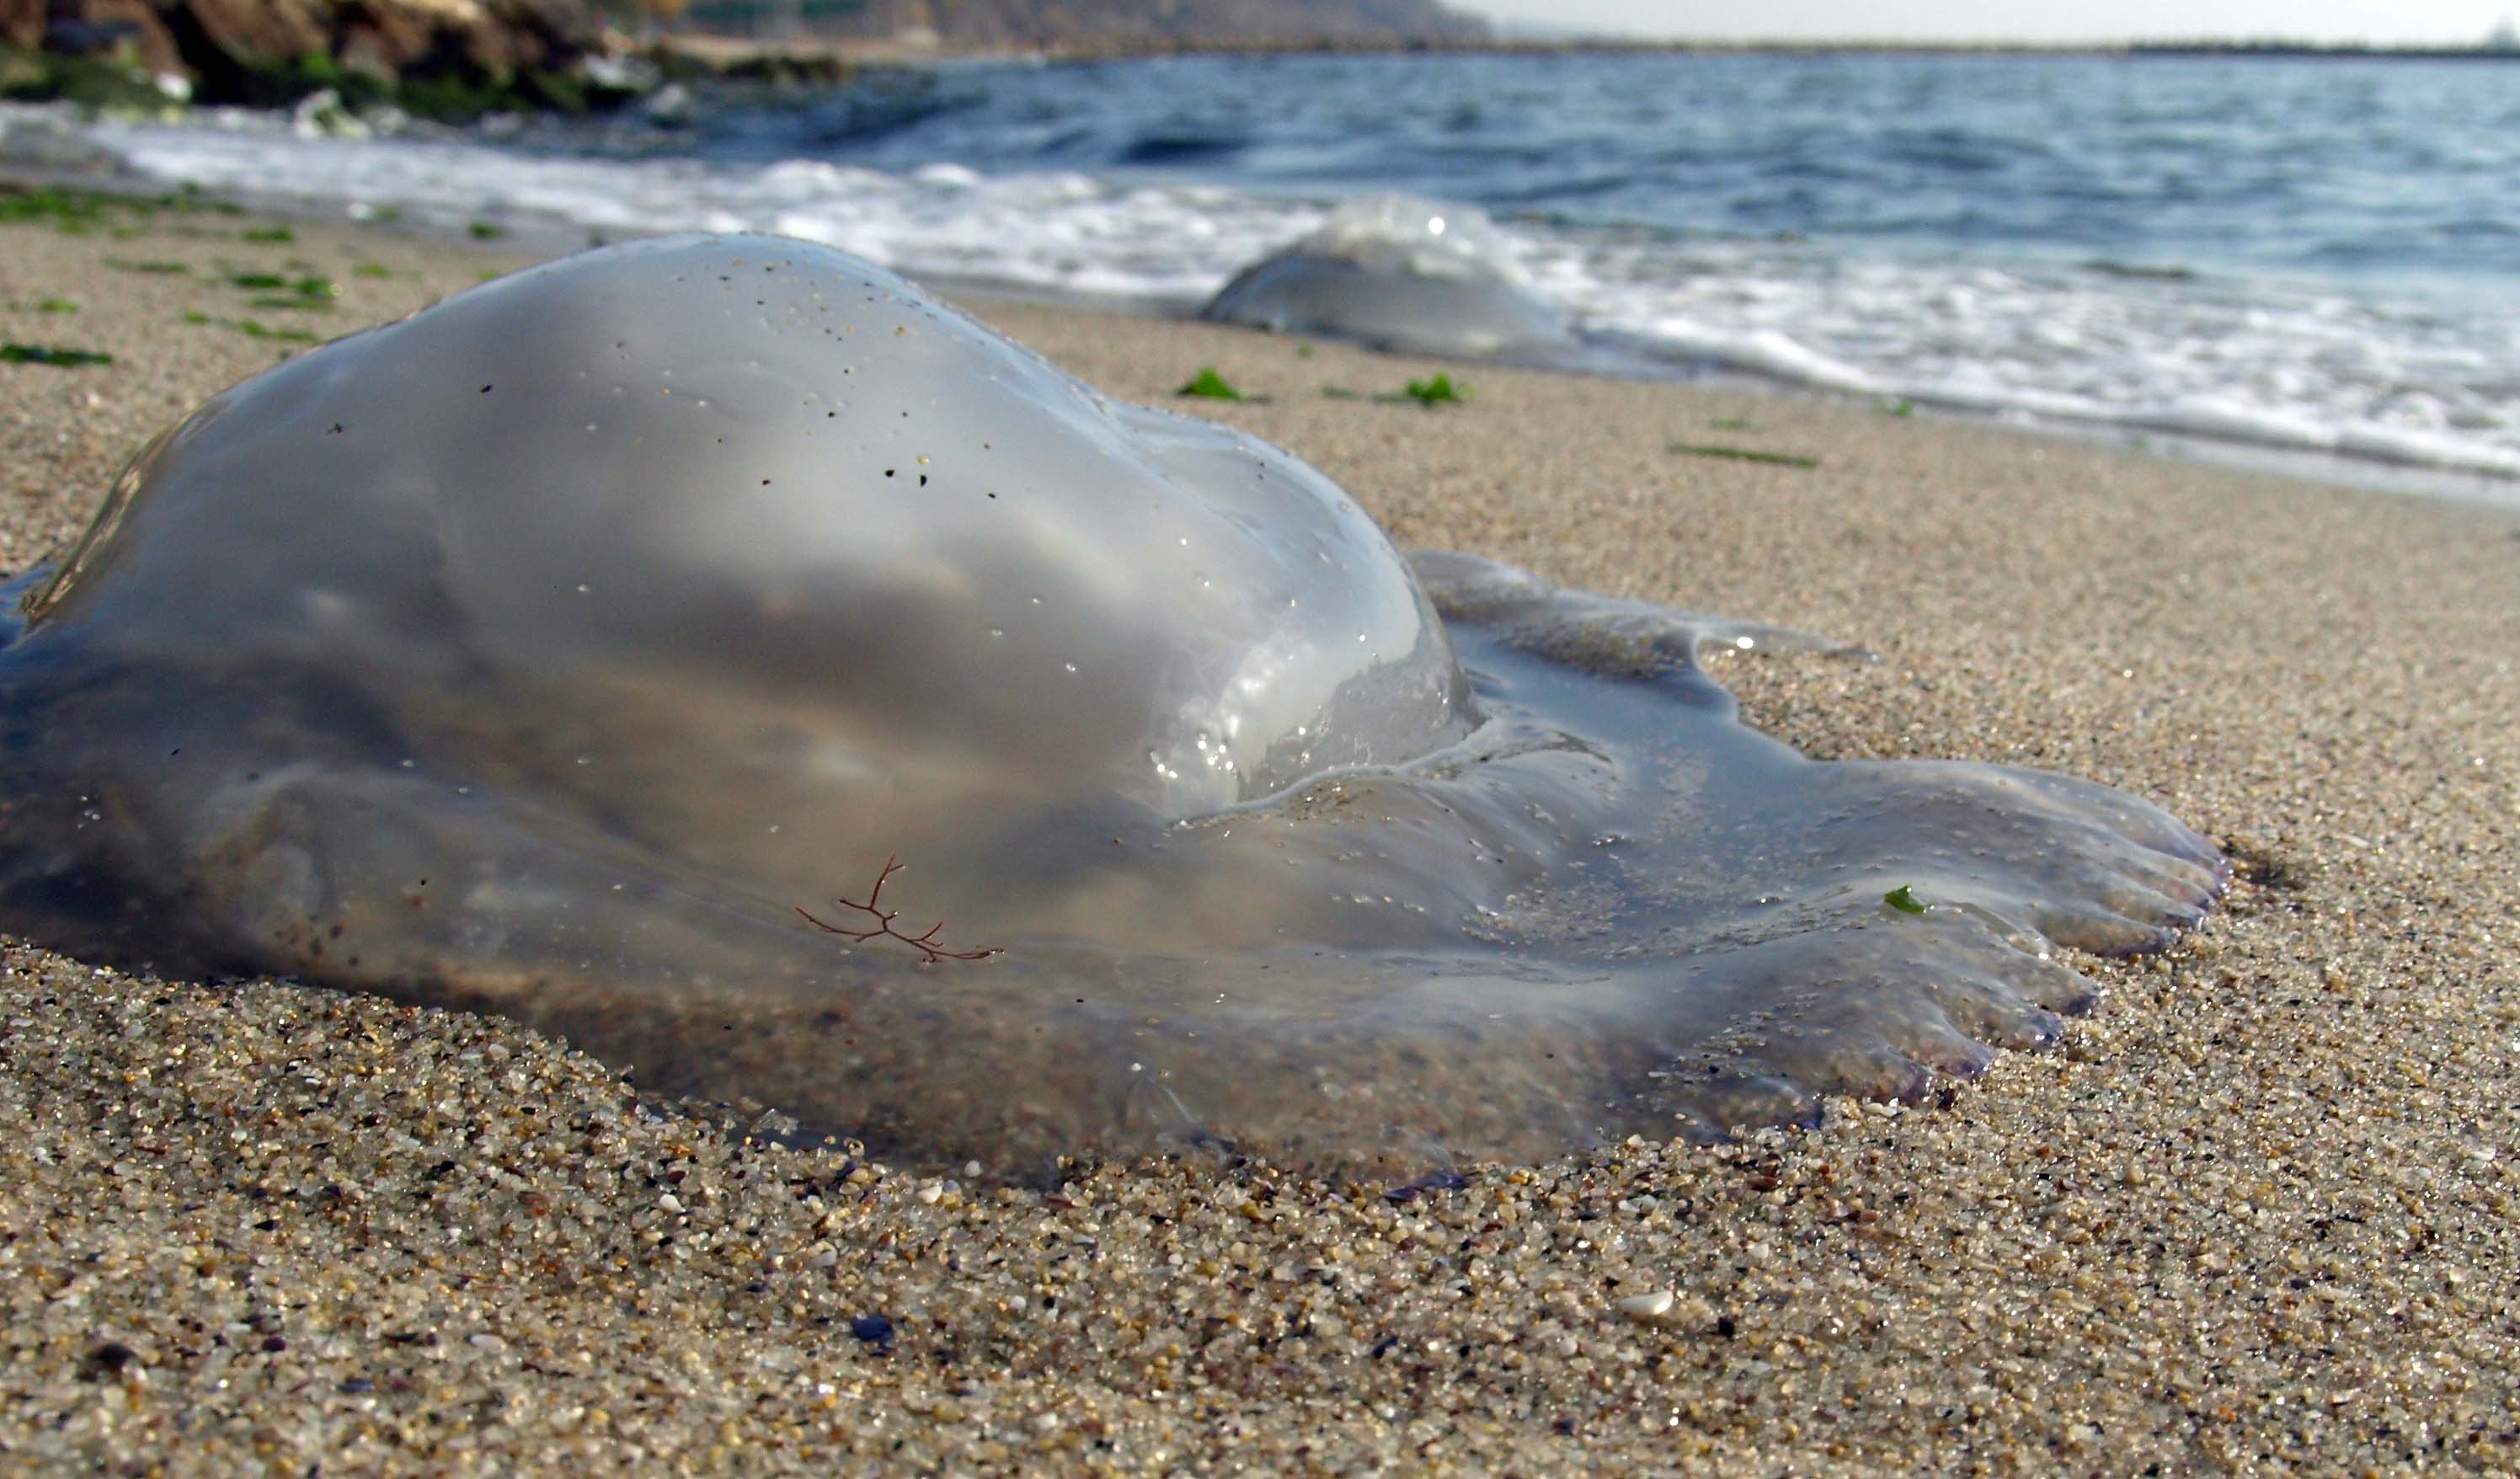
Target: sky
(2383, 21)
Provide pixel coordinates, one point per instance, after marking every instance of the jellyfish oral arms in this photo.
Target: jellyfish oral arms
(1397, 271)
(627, 645)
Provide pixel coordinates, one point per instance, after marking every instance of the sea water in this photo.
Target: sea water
(2308, 256)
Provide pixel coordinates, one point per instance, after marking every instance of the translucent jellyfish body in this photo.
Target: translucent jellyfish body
(1396, 272)
(548, 652)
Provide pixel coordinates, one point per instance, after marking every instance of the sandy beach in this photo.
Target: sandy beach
(2255, 1216)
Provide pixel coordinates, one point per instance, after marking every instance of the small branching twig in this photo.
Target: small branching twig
(930, 946)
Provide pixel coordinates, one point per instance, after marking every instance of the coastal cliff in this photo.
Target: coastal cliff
(435, 56)
(459, 58)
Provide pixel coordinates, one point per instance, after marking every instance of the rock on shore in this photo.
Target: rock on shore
(272, 50)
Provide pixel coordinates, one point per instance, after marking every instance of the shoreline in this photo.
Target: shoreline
(2253, 1214)
(1605, 358)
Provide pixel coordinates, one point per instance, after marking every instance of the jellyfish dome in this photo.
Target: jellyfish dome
(1397, 271)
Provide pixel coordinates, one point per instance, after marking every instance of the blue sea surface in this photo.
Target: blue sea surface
(2315, 255)
(2185, 162)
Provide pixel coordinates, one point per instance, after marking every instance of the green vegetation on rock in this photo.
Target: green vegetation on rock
(90, 82)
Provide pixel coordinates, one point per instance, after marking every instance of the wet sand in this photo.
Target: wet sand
(2256, 1215)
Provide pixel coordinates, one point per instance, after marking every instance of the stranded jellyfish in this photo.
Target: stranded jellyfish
(1396, 272)
(548, 652)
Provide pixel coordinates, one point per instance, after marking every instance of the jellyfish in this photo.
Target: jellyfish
(719, 653)
(1397, 271)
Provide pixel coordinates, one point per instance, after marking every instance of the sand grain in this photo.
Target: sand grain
(2257, 1216)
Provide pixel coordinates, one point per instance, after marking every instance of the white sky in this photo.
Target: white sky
(2384, 21)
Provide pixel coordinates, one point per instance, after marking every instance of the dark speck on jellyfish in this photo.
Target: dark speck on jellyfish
(563, 701)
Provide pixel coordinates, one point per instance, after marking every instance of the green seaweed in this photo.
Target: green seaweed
(152, 268)
(554, 91)
(1744, 454)
(485, 231)
(1903, 899)
(1900, 407)
(51, 354)
(61, 208)
(74, 211)
(316, 293)
(371, 270)
(192, 198)
(1437, 390)
(252, 330)
(267, 236)
(1441, 390)
(56, 305)
(1207, 384)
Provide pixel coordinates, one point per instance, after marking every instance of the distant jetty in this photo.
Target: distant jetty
(727, 49)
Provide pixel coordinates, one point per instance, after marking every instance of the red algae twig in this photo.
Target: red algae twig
(930, 947)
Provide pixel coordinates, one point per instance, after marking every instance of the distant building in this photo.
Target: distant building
(2503, 38)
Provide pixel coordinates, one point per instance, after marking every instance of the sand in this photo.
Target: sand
(2257, 1215)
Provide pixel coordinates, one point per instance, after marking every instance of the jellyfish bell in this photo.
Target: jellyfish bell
(716, 651)
(576, 507)
(1397, 271)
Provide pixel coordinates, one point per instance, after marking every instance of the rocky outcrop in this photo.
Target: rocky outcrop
(457, 59)
(21, 24)
(459, 53)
